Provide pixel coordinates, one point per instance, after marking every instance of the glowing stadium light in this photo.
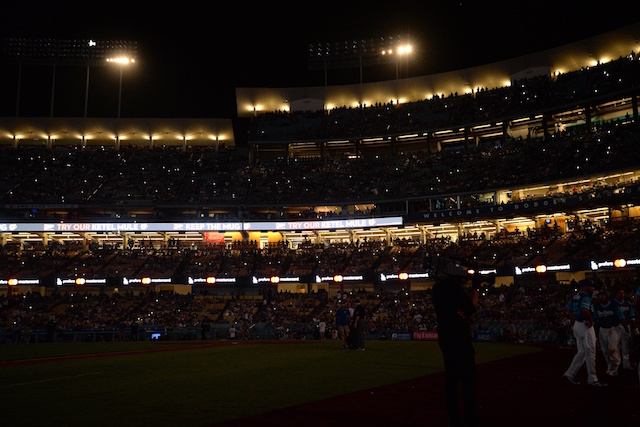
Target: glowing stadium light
(122, 60)
(405, 50)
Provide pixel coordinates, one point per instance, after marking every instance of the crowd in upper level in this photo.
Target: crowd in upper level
(522, 98)
(200, 176)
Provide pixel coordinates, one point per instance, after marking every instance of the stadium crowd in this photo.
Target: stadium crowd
(546, 245)
(521, 98)
(531, 309)
(99, 176)
(533, 312)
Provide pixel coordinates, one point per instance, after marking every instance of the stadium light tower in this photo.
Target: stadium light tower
(399, 52)
(122, 61)
(64, 52)
(357, 53)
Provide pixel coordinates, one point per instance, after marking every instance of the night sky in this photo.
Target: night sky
(192, 57)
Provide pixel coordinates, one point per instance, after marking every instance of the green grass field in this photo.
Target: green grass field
(199, 384)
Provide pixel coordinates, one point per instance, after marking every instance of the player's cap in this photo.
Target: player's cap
(448, 268)
(586, 282)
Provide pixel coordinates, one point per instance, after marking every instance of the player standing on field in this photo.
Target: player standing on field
(608, 318)
(581, 308)
(626, 331)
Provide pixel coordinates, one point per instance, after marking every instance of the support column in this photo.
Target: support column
(505, 133)
(85, 241)
(545, 126)
(466, 138)
(388, 237)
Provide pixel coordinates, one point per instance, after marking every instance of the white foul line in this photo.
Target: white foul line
(51, 379)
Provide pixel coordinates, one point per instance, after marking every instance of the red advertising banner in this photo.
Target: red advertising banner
(425, 336)
(213, 237)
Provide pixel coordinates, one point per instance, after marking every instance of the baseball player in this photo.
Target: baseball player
(581, 308)
(626, 331)
(608, 317)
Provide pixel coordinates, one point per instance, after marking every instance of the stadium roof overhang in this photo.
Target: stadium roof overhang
(108, 131)
(570, 57)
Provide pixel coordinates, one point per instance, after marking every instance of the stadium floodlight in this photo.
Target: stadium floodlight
(45, 51)
(122, 61)
(357, 53)
(66, 52)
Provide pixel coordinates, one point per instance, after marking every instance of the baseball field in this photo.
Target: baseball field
(294, 383)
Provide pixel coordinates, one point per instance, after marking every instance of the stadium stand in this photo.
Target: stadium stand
(577, 157)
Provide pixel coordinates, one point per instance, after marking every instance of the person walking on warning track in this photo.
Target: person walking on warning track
(359, 319)
(455, 307)
(342, 323)
(581, 308)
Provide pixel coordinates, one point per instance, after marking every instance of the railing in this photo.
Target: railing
(258, 331)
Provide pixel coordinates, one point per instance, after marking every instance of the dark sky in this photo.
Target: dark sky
(192, 55)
